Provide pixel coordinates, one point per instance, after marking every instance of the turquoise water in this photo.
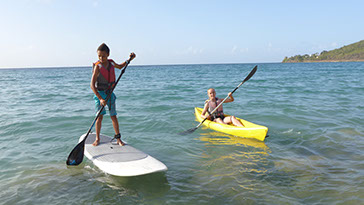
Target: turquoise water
(314, 155)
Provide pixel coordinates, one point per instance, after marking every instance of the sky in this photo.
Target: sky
(66, 33)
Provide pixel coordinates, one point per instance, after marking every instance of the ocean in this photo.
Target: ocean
(314, 153)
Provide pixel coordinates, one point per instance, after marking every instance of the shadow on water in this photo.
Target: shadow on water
(150, 185)
(83, 184)
(120, 189)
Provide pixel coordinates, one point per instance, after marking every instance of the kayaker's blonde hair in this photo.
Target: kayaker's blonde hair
(210, 89)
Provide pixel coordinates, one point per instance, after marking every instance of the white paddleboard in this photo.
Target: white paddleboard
(120, 160)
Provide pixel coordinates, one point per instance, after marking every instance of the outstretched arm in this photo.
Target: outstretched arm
(123, 64)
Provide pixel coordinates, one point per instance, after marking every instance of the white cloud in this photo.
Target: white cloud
(244, 50)
(269, 47)
(233, 50)
(194, 51)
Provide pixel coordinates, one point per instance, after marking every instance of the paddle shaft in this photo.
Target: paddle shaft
(217, 107)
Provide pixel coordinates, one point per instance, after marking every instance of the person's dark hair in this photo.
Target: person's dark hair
(103, 47)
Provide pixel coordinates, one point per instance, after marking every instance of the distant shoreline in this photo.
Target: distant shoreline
(350, 53)
(326, 61)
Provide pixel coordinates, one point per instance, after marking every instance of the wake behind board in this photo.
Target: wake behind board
(120, 160)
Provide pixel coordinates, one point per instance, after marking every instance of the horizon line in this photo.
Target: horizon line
(177, 64)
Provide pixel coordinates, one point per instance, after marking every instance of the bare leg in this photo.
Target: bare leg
(233, 120)
(98, 129)
(219, 120)
(236, 122)
(115, 124)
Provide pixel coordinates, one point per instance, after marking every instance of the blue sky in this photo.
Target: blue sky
(59, 33)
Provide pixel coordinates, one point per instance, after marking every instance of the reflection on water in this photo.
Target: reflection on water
(229, 165)
(217, 138)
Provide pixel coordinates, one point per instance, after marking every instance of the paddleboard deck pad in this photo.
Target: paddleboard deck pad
(120, 160)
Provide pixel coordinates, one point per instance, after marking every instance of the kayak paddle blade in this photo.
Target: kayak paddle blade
(76, 156)
(188, 131)
(251, 73)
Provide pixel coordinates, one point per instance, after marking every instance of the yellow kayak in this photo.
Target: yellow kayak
(250, 130)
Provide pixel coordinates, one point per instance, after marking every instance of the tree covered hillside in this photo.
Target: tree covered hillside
(352, 52)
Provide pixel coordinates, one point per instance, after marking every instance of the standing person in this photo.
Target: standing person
(218, 115)
(102, 82)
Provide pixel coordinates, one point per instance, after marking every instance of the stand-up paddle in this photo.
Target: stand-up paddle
(195, 128)
(76, 156)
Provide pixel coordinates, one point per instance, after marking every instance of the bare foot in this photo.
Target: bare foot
(97, 141)
(121, 143)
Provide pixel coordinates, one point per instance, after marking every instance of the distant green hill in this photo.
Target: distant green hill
(352, 52)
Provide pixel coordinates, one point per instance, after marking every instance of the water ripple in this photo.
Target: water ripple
(313, 155)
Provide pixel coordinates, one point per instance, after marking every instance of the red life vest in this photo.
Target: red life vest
(107, 78)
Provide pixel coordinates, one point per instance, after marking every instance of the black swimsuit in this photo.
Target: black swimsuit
(215, 117)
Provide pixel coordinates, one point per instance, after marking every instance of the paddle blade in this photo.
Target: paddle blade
(188, 131)
(76, 156)
(251, 73)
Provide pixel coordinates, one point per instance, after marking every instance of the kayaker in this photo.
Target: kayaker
(102, 81)
(218, 115)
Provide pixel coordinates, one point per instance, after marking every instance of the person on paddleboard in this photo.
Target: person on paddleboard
(102, 81)
(218, 115)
